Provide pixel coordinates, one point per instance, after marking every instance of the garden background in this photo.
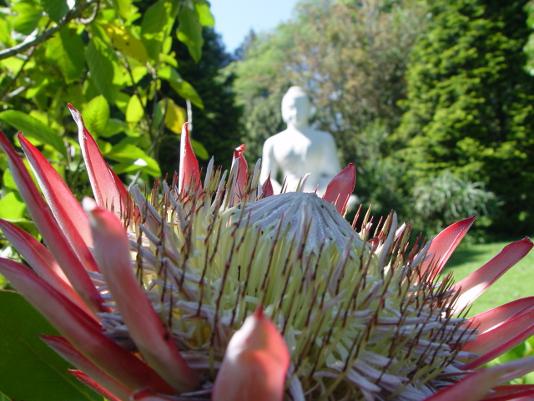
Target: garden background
(433, 101)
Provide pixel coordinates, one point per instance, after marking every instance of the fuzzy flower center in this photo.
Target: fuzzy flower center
(359, 320)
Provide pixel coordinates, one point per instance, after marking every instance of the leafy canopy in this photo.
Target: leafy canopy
(112, 59)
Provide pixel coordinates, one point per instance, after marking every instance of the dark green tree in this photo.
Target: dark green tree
(217, 124)
(108, 58)
(470, 105)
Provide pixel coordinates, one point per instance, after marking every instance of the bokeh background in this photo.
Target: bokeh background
(432, 100)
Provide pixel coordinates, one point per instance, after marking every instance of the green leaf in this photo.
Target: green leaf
(67, 50)
(124, 40)
(205, 17)
(8, 181)
(101, 67)
(11, 208)
(114, 127)
(175, 116)
(13, 64)
(73, 47)
(169, 59)
(154, 25)
(33, 128)
(134, 110)
(181, 87)
(123, 77)
(56, 9)
(125, 8)
(200, 150)
(5, 35)
(133, 157)
(27, 16)
(96, 115)
(29, 370)
(157, 114)
(154, 16)
(190, 32)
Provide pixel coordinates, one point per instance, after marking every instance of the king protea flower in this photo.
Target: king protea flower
(217, 289)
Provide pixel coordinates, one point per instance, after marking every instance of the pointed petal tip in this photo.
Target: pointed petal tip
(498, 340)
(477, 385)
(76, 115)
(186, 130)
(255, 363)
(443, 246)
(493, 318)
(527, 241)
(240, 150)
(239, 162)
(24, 142)
(340, 188)
(189, 170)
(464, 223)
(61, 345)
(88, 381)
(258, 313)
(107, 188)
(50, 339)
(468, 220)
(472, 286)
(267, 187)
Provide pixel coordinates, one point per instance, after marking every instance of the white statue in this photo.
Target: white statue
(299, 149)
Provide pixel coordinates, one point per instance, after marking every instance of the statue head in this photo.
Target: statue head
(296, 107)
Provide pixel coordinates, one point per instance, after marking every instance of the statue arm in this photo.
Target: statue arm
(269, 167)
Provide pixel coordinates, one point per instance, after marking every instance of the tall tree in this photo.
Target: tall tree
(470, 102)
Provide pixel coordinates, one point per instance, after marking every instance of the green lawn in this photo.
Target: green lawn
(516, 283)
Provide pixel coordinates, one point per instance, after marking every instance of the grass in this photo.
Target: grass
(516, 283)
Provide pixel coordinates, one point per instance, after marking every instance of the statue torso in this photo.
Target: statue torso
(298, 152)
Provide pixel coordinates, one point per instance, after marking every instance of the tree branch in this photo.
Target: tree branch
(27, 44)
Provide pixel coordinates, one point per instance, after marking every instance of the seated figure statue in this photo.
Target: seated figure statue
(299, 149)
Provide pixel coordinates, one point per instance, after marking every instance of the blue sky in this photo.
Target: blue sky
(235, 18)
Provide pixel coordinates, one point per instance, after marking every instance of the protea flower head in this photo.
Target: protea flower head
(217, 289)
